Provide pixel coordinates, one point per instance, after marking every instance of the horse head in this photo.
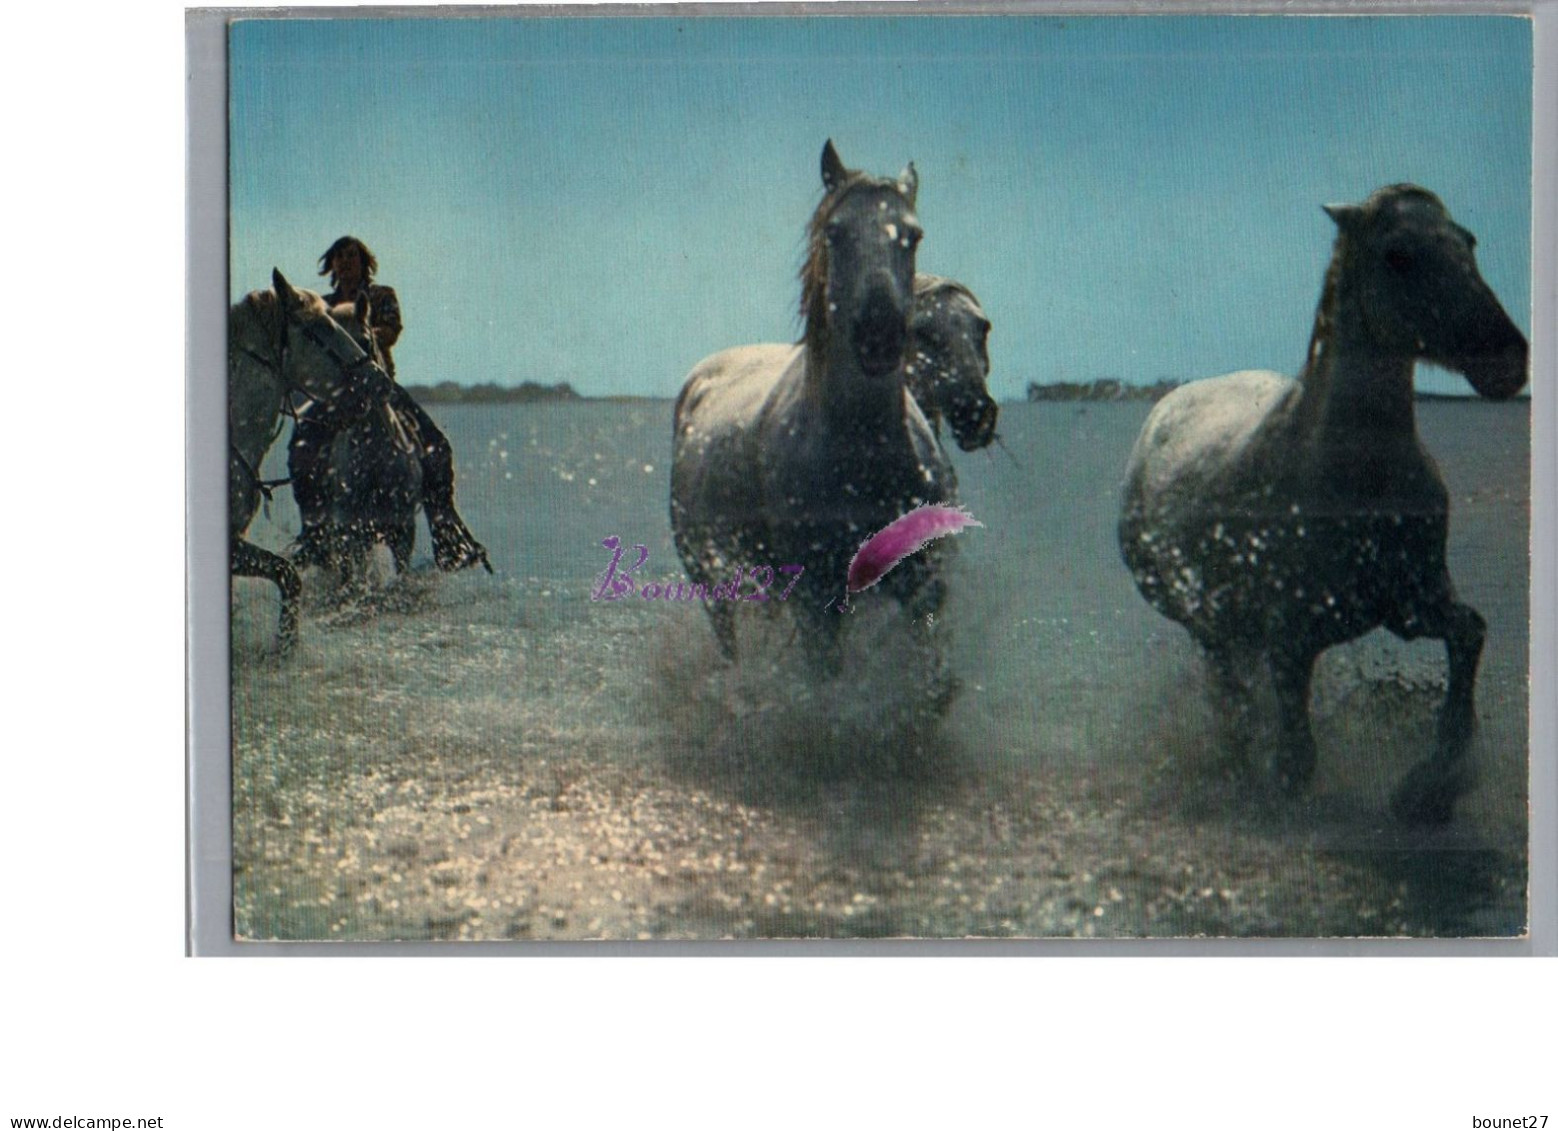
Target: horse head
(950, 360)
(319, 355)
(858, 280)
(1413, 273)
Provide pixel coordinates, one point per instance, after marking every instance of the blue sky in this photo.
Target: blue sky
(606, 200)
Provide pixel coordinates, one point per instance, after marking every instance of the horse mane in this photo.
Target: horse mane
(1325, 309)
(260, 315)
(260, 310)
(1341, 263)
(814, 271)
(1402, 191)
(261, 304)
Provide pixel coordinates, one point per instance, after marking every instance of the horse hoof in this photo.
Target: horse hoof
(1423, 805)
(1427, 795)
(454, 547)
(465, 557)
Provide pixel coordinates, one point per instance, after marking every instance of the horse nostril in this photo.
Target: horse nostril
(1500, 376)
(881, 331)
(979, 427)
(1499, 366)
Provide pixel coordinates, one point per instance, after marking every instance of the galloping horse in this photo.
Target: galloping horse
(1275, 518)
(797, 464)
(279, 341)
(949, 361)
(948, 369)
(368, 479)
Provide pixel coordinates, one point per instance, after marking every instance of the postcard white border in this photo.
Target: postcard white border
(209, 861)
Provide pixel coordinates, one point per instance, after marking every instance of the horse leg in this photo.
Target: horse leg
(454, 546)
(357, 542)
(308, 466)
(1427, 794)
(1292, 670)
(723, 618)
(1233, 704)
(248, 560)
(941, 685)
(402, 539)
(819, 628)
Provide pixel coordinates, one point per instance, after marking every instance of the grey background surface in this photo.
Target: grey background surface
(209, 780)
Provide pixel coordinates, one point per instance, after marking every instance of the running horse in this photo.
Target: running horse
(279, 342)
(796, 464)
(949, 361)
(1275, 518)
(948, 367)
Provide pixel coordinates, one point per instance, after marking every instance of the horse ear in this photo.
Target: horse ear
(1347, 216)
(362, 309)
(909, 182)
(833, 170)
(284, 288)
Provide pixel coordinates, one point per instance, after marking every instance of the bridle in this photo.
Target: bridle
(346, 367)
(262, 485)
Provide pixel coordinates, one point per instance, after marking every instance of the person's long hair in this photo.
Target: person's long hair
(369, 263)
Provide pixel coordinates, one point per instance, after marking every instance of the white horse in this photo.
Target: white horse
(794, 456)
(948, 367)
(1275, 518)
(280, 341)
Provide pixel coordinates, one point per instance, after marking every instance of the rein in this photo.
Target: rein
(346, 367)
(262, 485)
(996, 436)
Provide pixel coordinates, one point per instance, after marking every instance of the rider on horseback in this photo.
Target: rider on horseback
(351, 266)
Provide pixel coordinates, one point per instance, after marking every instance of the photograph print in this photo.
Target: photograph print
(907, 476)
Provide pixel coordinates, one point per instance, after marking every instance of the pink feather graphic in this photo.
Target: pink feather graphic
(900, 538)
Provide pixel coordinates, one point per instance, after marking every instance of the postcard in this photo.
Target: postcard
(894, 476)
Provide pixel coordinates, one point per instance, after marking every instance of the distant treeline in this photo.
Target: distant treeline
(528, 392)
(1110, 389)
(1104, 389)
(532, 392)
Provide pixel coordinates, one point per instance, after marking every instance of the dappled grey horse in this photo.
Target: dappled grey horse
(949, 361)
(1275, 518)
(948, 366)
(282, 341)
(797, 464)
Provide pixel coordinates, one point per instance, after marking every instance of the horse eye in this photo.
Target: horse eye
(1398, 261)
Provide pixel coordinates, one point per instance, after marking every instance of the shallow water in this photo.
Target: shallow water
(501, 757)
